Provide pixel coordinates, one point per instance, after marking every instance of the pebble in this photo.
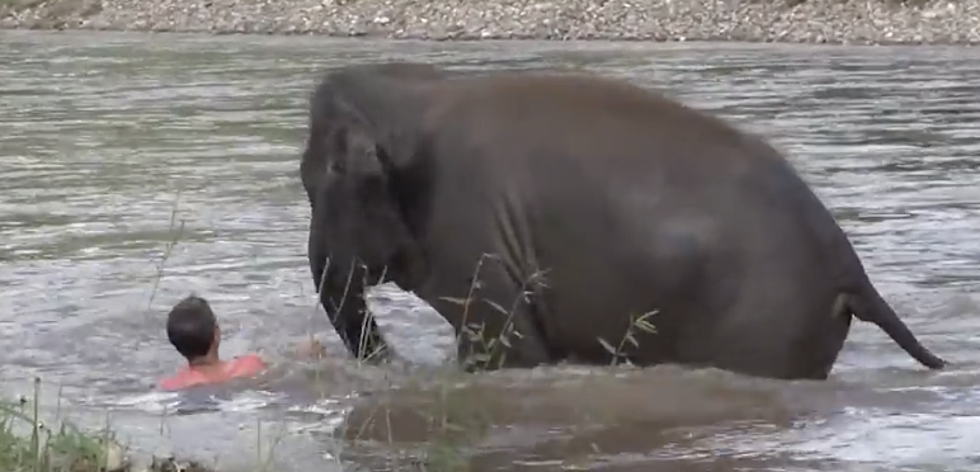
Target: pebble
(788, 21)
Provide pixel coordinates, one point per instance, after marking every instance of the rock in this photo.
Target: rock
(170, 464)
(115, 457)
(795, 21)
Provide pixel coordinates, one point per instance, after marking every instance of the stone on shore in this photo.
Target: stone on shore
(795, 21)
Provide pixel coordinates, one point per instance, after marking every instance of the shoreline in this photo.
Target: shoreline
(864, 22)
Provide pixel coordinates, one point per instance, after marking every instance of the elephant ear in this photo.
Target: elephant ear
(380, 119)
(356, 154)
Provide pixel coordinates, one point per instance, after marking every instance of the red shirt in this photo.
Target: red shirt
(244, 366)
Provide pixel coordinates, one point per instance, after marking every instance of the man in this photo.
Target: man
(193, 330)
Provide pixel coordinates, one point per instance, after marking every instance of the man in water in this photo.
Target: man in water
(194, 332)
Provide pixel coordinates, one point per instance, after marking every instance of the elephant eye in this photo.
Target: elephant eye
(336, 167)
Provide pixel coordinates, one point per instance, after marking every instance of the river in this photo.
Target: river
(114, 146)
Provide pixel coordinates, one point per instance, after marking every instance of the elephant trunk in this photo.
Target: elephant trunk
(340, 284)
(317, 254)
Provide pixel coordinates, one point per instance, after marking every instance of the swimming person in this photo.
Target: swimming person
(193, 330)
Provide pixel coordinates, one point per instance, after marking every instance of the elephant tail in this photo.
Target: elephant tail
(871, 307)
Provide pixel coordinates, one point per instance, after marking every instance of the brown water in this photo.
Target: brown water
(105, 137)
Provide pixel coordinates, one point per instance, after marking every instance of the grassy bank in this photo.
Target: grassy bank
(32, 443)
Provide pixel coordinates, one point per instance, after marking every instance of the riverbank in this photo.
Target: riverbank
(794, 21)
(30, 442)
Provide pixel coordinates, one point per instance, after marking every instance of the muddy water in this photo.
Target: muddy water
(113, 146)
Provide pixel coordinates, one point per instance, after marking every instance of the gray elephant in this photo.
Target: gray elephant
(541, 213)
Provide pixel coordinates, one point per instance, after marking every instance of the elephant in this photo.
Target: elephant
(543, 214)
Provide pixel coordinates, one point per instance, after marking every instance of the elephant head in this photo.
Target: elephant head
(359, 170)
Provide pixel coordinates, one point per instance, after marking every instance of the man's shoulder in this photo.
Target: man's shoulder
(242, 366)
(248, 364)
(170, 383)
(181, 380)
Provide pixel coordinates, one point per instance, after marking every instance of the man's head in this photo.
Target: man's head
(192, 328)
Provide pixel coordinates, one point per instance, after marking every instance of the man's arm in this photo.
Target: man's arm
(309, 349)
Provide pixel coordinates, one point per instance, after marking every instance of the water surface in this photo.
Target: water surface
(112, 146)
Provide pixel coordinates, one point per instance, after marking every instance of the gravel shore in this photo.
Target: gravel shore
(799, 21)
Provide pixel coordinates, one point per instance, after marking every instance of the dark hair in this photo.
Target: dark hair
(190, 326)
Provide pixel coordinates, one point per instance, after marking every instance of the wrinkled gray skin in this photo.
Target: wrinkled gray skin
(597, 201)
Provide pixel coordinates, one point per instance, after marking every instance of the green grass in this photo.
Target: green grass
(30, 443)
(27, 444)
